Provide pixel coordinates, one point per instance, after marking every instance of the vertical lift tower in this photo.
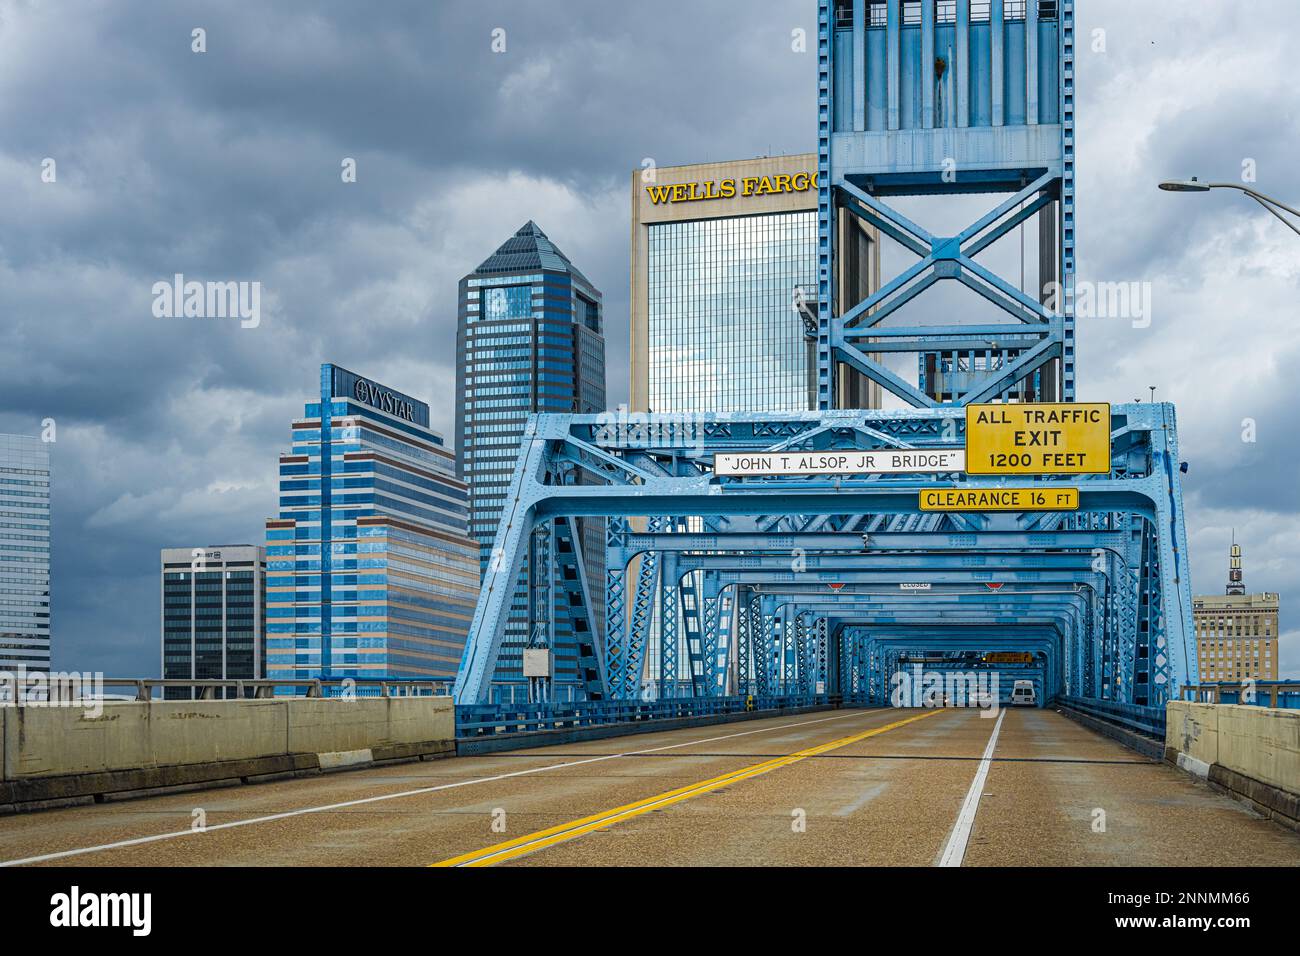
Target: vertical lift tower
(926, 98)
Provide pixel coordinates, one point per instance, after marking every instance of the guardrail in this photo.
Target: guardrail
(1284, 694)
(1144, 720)
(143, 689)
(486, 720)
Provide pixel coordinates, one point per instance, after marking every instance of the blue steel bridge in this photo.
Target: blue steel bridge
(792, 588)
(816, 585)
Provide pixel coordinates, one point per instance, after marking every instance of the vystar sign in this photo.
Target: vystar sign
(382, 399)
(893, 461)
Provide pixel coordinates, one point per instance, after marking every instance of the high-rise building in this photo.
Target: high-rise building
(724, 287)
(24, 554)
(1236, 632)
(530, 338)
(370, 569)
(213, 615)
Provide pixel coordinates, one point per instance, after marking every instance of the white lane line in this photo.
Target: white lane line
(955, 851)
(137, 841)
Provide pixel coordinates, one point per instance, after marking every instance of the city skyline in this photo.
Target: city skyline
(143, 461)
(784, 436)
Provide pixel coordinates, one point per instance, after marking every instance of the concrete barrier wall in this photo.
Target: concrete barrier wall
(1193, 731)
(131, 736)
(53, 752)
(1253, 752)
(1258, 742)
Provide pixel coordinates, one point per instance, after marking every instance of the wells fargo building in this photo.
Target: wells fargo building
(722, 256)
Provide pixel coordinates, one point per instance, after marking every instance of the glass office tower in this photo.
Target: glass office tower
(530, 338)
(24, 554)
(722, 334)
(212, 615)
(724, 281)
(370, 569)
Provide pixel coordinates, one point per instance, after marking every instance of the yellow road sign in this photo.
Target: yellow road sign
(1068, 438)
(1043, 498)
(1008, 657)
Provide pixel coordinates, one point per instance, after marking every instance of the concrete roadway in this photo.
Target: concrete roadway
(855, 787)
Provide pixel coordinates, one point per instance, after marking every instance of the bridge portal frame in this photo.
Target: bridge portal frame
(1129, 523)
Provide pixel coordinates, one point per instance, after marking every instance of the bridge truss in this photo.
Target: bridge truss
(792, 570)
(832, 584)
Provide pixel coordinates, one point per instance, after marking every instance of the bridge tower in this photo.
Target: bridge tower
(935, 98)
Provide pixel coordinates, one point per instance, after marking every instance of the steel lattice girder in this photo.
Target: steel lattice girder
(662, 469)
(1036, 337)
(1057, 635)
(1023, 626)
(1032, 157)
(887, 641)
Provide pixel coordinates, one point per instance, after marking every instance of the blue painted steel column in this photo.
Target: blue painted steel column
(927, 65)
(998, 59)
(893, 61)
(692, 632)
(825, 206)
(859, 65)
(963, 63)
(668, 585)
(1068, 359)
(1031, 63)
(726, 641)
(615, 605)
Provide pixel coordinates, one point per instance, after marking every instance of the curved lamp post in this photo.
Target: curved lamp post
(1194, 185)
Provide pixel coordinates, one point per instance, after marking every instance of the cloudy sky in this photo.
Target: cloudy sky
(225, 165)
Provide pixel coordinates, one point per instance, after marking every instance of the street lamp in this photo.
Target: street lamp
(1194, 185)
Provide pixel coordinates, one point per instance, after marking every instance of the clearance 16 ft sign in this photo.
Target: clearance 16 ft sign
(1038, 439)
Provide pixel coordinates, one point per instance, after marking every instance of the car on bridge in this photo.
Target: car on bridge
(1023, 693)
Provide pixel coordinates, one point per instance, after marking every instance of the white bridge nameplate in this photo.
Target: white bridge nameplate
(889, 461)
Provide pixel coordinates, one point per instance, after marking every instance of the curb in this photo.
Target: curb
(1274, 803)
(1146, 746)
(28, 794)
(567, 735)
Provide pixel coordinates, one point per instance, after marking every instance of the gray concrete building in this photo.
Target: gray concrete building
(213, 614)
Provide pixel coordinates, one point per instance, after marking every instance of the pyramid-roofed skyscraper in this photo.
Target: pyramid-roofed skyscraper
(530, 338)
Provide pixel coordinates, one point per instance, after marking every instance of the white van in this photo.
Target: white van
(1022, 692)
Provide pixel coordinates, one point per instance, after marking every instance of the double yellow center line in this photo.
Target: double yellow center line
(576, 828)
